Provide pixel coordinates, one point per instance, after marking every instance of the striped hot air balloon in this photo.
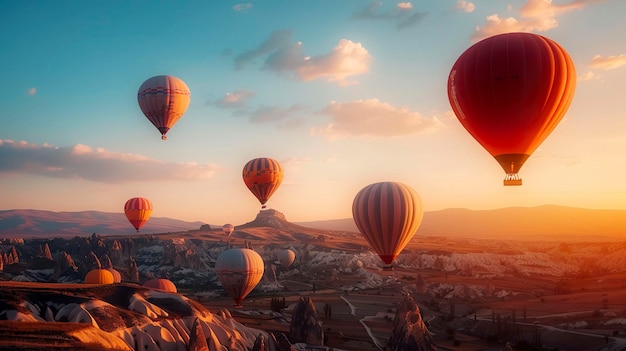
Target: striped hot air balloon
(263, 177)
(99, 276)
(239, 270)
(163, 100)
(388, 215)
(161, 284)
(138, 211)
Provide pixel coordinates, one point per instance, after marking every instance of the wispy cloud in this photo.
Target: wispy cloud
(31, 91)
(284, 56)
(373, 118)
(608, 62)
(403, 14)
(245, 7)
(235, 99)
(94, 164)
(535, 15)
(466, 6)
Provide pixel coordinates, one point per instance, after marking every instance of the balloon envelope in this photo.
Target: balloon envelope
(163, 100)
(239, 270)
(510, 91)
(138, 211)
(228, 229)
(161, 284)
(388, 215)
(286, 257)
(263, 177)
(117, 276)
(99, 276)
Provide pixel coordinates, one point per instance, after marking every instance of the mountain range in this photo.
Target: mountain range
(548, 222)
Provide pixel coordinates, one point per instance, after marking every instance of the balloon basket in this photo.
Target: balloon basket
(387, 268)
(163, 137)
(238, 306)
(512, 179)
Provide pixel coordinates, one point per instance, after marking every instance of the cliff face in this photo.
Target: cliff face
(114, 317)
(409, 332)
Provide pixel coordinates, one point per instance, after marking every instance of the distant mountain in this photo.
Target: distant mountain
(35, 222)
(548, 222)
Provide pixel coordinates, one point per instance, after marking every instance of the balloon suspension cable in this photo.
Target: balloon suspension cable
(512, 179)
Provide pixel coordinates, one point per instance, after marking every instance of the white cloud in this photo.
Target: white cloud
(608, 62)
(245, 7)
(266, 114)
(587, 76)
(535, 15)
(31, 91)
(284, 56)
(94, 164)
(373, 118)
(236, 99)
(402, 14)
(465, 6)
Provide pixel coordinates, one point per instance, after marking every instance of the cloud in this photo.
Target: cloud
(373, 118)
(236, 99)
(465, 6)
(586, 76)
(535, 15)
(242, 7)
(402, 14)
(284, 56)
(94, 164)
(608, 62)
(31, 91)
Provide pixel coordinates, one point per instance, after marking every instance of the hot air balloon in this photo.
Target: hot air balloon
(510, 91)
(388, 215)
(99, 276)
(138, 211)
(161, 284)
(163, 100)
(262, 176)
(239, 270)
(286, 257)
(117, 276)
(228, 229)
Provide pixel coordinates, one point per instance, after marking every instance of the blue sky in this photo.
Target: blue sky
(342, 93)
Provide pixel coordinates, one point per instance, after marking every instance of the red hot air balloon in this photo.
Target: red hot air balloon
(138, 211)
(263, 177)
(510, 91)
(163, 100)
(239, 270)
(388, 215)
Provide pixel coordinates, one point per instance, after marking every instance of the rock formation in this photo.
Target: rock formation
(409, 332)
(306, 326)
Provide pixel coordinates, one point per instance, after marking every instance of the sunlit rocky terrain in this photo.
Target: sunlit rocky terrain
(452, 292)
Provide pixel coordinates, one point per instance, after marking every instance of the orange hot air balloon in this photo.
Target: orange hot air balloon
(99, 276)
(138, 211)
(388, 215)
(228, 229)
(239, 270)
(163, 100)
(510, 91)
(161, 284)
(263, 177)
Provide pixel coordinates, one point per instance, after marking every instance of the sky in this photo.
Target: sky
(342, 93)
